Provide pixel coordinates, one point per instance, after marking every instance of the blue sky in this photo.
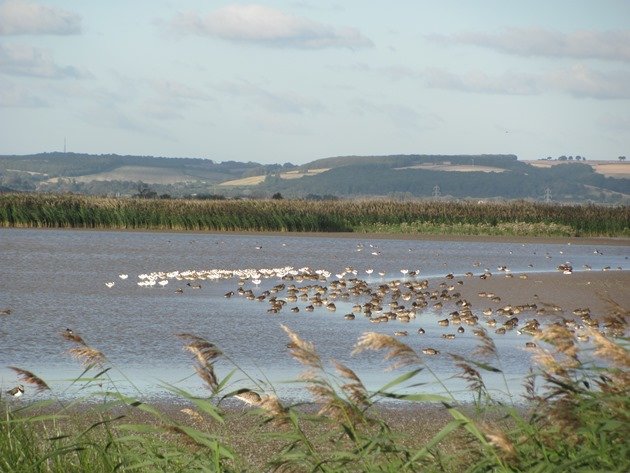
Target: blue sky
(294, 81)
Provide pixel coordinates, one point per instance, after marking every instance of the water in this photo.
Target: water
(55, 279)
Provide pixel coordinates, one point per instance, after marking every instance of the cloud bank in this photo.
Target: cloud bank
(583, 44)
(267, 26)
(20, 17)
(284, 103)
(579, 81)
(25, 60)
(14, 95)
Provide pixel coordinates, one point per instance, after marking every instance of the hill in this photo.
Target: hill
(393, 176)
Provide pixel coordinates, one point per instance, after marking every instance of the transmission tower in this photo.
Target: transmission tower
(547, 195)
(436, 192)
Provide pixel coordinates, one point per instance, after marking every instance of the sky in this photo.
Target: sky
(294, 81)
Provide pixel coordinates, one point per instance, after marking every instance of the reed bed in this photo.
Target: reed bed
(432, 217)
(576, 416)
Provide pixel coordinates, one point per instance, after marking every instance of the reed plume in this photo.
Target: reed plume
(610, 350)
(487, 347)
(87, 355)
(469, 374)
(202, 349)
(499, 440)
(402, 354)
(277, 413)
(354, 388)
(30, 378)
(206, 372)
(302, 351)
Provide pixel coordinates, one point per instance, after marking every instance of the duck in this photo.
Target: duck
(430, 351)
(16, 391)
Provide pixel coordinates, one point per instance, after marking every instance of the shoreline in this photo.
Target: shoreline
(608, 241)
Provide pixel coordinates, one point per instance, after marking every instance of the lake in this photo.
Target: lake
(56, 279)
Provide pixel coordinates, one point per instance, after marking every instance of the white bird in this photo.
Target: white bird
(163, 283)
(110, 284)
(369, 271)
(123, 276)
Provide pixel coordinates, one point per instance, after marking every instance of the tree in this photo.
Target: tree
(621, 158)
(145, 192)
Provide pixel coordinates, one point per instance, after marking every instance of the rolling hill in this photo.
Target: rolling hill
(395, 176)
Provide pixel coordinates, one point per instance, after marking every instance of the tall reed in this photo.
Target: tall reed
(512, 218)
(577, 417)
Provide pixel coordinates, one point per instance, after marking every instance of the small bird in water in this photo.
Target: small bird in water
(6, 311)
(430, 351)
(16, 391)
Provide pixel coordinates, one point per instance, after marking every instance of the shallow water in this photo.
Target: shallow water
(55, 279)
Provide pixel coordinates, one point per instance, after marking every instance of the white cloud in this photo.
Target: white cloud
(401, 116)
(14, 95)
(178, 90)
(394, 72)
(480, 82)
(578, 80)
(269, 27)
(582, 81)
(272, 101)
(25, 60)
(18, 17)
(582, 44)
(172, 99)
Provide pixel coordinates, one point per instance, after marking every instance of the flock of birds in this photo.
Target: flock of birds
(384, 300)
(401, 299)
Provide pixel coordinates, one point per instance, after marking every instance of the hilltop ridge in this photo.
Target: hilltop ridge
(483, 176)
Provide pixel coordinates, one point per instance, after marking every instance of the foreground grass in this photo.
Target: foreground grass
(431, 217)
(577, 419)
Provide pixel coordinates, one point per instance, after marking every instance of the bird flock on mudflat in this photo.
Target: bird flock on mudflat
(401, 300)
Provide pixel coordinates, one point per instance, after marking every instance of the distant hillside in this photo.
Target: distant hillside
(461, 176)
(89, 173)
(406, 160)
(395, 176)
